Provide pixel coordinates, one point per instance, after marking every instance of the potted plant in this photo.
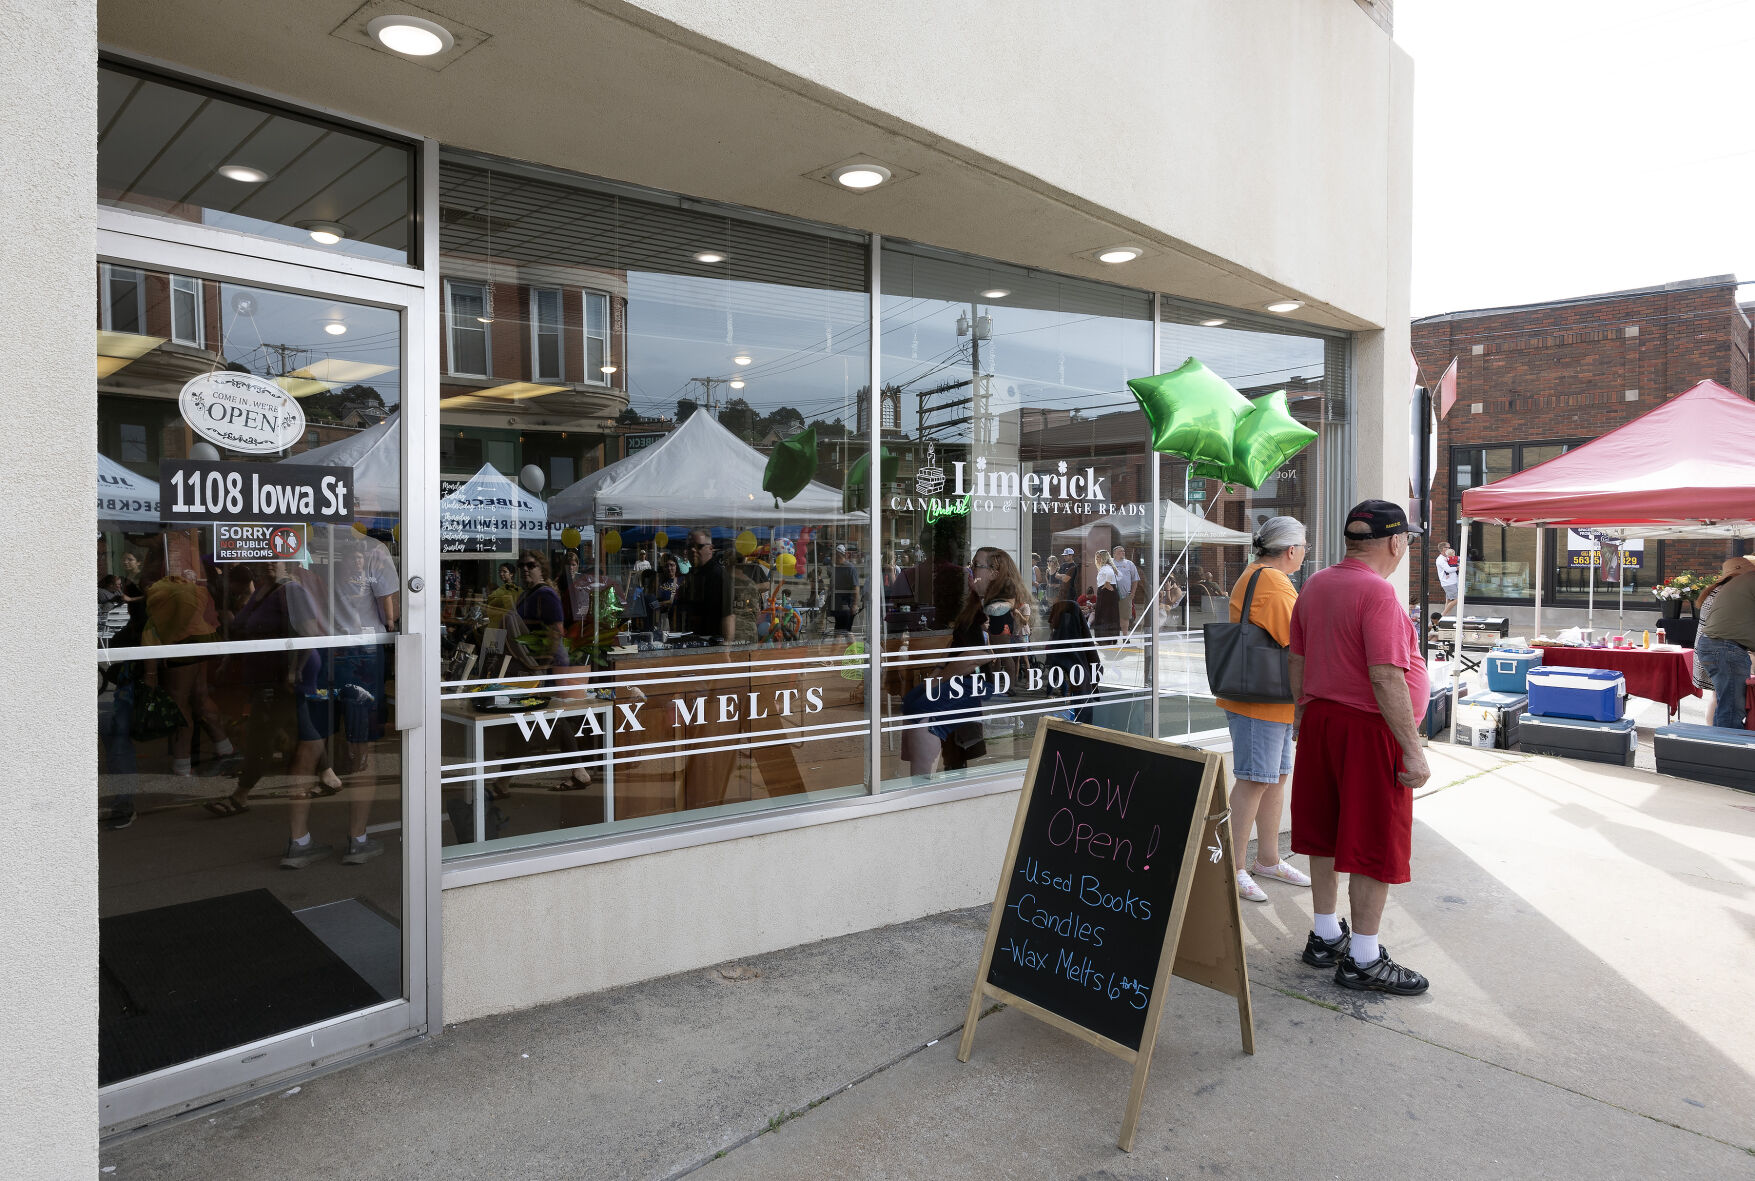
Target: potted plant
(1681, 589)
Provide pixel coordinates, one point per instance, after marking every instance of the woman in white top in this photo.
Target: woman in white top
(1106, 620)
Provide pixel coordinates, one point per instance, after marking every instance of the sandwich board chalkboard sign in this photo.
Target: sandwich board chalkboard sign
(1119, 874)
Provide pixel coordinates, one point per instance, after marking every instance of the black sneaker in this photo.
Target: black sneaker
(1380, 975)
(121, 817)
(1326, 953)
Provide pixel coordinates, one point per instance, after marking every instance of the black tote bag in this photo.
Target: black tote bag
(1245, 662)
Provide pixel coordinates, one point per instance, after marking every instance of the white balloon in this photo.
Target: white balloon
(205, 451)
(532, 477)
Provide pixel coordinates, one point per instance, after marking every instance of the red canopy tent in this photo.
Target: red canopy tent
(1683, 469)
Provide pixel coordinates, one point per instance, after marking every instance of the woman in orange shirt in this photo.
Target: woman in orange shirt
(1261, 735)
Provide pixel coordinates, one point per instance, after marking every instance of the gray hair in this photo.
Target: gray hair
(1276, 535)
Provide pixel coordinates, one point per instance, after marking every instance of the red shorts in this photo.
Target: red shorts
(1346, 800)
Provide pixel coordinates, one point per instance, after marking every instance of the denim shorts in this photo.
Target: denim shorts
(1261, 751)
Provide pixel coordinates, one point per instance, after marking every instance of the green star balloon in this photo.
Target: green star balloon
(791, 466)
(1266, 438)
(1193, 412)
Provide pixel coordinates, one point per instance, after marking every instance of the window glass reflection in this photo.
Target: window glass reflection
(1016, 518)
(176, 150)
(1207, 523)
(652, 550)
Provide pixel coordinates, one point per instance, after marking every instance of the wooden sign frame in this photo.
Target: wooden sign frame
(1203, 939)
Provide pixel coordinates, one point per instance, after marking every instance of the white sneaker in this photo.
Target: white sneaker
(1246, 887)
(1283, 872)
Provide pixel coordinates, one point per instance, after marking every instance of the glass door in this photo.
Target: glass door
(263, 861)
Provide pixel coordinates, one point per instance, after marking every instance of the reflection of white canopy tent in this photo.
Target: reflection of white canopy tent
(489, 506)
(375, 455)
(123, 495)
(699, 474)
(1180, 528)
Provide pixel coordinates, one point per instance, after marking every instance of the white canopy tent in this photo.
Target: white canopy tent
(1177, 527)
(125, 496)
(488, 507)
(375, 455)
(698, 474)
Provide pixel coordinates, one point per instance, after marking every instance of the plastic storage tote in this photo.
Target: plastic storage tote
(1588, 694)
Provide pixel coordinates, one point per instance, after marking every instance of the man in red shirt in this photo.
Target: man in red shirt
(1359, 680)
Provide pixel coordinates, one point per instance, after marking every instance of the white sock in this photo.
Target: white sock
(359, 840)
(181, 767)
(224, 747)
(301, 842)
(1327, 926)
(1364, 948)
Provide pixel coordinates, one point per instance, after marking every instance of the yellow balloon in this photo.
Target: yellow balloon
(788, 564)
(396, 534)
(360, 528)
(661, 539)
(612, 542)
(570, 537)
(746, 543)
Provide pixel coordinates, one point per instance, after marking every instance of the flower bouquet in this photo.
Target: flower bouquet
(1682, 588)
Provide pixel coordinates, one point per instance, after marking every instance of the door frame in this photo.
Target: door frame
(188, 249)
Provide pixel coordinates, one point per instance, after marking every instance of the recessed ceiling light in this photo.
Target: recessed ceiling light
(741, 359)
(243, 172)
(860, 177)
(410, 35)
(995, 293)
(1211, 323)
(709, 256)
(606, 369)
(326, 232)
(1117, 254)
(1285, 305)
(335, 328)
(737, 383)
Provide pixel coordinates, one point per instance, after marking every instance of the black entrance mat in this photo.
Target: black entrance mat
(179, 982)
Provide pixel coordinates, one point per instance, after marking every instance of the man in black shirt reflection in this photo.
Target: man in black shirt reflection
(706, 594)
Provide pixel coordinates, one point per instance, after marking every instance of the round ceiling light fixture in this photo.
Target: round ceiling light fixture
(326, 232)
(606, 370)
(243, 172)
(995, 293)
(709, 256)
(860, 177)
(737, 383)
(1119, 254)
(1211, 323)
(742, 359)
(1285, 305)
(410, 36)
(335, 328)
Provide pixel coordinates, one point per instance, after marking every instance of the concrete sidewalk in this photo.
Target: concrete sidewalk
(1589, 931)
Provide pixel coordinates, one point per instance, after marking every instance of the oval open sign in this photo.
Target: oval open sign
(241, 412)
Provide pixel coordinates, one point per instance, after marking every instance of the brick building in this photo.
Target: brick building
(1538, 379)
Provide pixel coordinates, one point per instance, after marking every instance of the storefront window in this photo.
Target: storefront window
(1207, 524)
(650, 415)
(1015, 530)
(171, 149)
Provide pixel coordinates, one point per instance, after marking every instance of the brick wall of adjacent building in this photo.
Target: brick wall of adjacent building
(1576, 369)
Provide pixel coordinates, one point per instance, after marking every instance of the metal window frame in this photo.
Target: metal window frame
(587, 294)
(487, 338)
(536, 335)
(106, 313)
(143, 242)
(195, 289)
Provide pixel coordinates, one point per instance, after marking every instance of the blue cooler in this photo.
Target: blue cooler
(1588, 694)
(1508, 669)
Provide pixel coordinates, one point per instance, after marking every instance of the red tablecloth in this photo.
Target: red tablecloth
(1748, 704)
(1656, 676)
